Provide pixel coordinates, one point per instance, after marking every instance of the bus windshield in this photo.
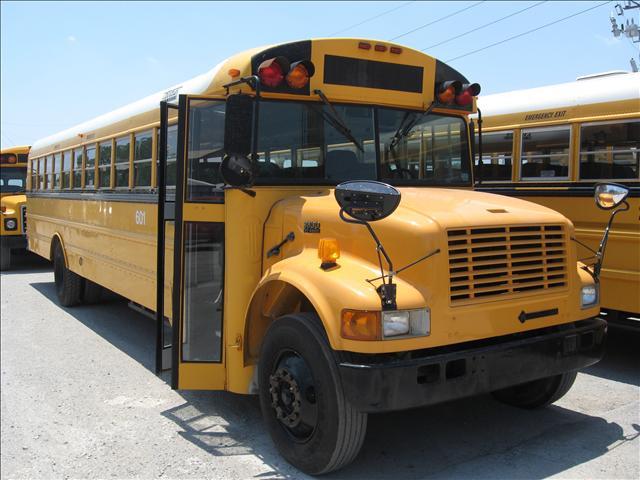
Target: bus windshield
(300, 141)
(12, 179)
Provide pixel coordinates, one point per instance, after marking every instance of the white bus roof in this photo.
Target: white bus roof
(587, 90)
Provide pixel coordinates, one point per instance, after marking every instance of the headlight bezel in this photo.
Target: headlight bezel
(418, 323)
(8, 226)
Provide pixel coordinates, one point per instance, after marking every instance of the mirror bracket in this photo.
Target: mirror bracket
(253, 81)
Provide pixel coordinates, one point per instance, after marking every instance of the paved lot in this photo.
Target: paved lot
(80, 400)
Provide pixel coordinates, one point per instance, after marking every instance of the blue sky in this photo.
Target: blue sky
(65, 62)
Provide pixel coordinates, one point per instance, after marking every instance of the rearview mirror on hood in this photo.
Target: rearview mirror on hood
(367, 200)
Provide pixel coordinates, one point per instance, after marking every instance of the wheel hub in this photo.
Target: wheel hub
(285, 397)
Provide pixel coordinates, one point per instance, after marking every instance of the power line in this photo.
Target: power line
(449, 15)
(483, 26)
(11, 142)
(527, 32)
(371, 18)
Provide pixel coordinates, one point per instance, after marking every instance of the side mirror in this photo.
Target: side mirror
(238, 125)
(236, 168)
(609, 195)
(367, 200)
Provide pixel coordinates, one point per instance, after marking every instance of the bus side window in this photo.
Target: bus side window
(90, 167)
(49, 170)
(497, 156)
(610, 150)
(77, 168)
(142, 159)
(66, 169)
(104, 165)
(57, 168)
(122, 162)
(545, 153)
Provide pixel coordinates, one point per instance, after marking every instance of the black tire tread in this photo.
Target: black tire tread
(70, 290)
(5, 259)
(541, 392)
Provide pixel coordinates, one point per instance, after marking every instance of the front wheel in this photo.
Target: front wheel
(5, 258)
(538, 393)
(303, 405)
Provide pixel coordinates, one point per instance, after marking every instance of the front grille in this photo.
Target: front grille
(23, 215)
(496, 262)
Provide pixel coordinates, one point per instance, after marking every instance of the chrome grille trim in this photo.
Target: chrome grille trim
(497, 262)
(23, 215)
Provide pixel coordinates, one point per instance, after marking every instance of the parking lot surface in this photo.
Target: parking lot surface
(80, 400)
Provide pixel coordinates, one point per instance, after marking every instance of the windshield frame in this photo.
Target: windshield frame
(466, 154)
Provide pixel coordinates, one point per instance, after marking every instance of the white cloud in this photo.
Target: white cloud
(71, 39)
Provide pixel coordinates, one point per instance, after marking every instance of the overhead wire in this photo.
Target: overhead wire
(483, 26)
(372, 18)
(449, 15)
(528, 32)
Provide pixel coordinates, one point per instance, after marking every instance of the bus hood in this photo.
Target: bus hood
(466, 208)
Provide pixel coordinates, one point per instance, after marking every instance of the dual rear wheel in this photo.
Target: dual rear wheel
(71, 288)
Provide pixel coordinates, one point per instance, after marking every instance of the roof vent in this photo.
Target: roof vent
(603, 74)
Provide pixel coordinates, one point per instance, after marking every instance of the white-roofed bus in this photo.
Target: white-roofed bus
(551, 145)
(330, 254)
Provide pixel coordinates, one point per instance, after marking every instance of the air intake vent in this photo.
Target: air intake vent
(498, 262)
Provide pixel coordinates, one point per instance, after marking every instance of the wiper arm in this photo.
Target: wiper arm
(403, 130)
(337, 122)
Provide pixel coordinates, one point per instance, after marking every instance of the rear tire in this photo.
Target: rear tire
(312, 424)
(68, 283)
(538, 393)
(92, 292)
(5, 258)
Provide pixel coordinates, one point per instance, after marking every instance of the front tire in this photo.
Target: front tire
(312, 424)
(538, 393)
(68, 283)
(5, 258)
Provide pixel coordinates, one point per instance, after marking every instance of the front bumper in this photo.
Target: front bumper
(448, 373)
(13, 242)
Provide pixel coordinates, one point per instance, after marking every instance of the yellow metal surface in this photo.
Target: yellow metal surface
(11, 202)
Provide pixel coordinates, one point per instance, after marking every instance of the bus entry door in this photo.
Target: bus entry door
(197, 298)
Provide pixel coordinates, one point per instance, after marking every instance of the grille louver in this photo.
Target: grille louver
(495, 262)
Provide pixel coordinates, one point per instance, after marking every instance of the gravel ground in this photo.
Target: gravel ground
(80, 400)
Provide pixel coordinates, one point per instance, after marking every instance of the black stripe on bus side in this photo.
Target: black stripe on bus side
(129, 197)
(546, 191)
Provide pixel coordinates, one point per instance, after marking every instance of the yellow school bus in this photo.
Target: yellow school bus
(13, 182)
(302, 220)
(550, 145)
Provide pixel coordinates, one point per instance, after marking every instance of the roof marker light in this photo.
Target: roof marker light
(364, 46)
(380, 48)
(396, 50)
(234, 72)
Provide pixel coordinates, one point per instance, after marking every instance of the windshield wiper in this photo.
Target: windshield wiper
(404, 130)
(336, 121)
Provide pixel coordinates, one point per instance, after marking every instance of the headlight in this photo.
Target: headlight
(10, 224)
(406, 323)
(589, 296)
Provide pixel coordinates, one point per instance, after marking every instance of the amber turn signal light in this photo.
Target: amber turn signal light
(360, 325)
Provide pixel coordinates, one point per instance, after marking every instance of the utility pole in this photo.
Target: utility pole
(629, 29)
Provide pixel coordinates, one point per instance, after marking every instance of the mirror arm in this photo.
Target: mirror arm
(386, 291)
(603, 243)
